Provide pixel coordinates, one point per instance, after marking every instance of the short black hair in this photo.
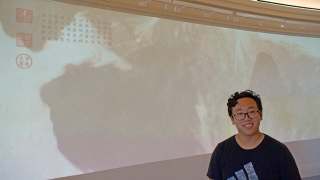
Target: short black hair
(233, 99)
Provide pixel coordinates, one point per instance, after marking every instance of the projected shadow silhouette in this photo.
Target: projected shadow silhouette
(106, 118)
(266, 79)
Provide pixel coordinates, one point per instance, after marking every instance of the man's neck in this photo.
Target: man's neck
(249, 142)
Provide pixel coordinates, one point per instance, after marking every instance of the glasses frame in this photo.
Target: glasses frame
(245, 114)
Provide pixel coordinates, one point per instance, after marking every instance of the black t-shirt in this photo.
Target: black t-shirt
(270, 160)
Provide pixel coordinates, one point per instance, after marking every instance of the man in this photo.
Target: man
(250, 154)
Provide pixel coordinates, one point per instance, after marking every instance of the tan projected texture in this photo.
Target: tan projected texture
(108, 89)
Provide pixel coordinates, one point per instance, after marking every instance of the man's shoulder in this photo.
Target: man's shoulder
(227, 143)
(274, 144)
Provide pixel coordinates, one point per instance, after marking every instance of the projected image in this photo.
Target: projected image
(86, 89)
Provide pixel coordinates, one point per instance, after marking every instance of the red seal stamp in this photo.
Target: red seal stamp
(24, 40)
(24, 61)
(24, 15)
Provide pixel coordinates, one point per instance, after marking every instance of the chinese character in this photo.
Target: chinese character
(28, 37)
(24, 15)
(28, 44)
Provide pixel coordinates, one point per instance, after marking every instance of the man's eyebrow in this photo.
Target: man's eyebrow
(242, 108)
(238, 109)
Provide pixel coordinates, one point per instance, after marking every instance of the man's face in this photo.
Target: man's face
(248, 126)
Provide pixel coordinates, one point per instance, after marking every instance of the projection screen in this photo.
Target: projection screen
(85, 89)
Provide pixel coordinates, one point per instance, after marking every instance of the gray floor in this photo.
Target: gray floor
(312, 178)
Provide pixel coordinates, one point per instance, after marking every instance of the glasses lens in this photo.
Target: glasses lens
(240, 116)
(253, 114)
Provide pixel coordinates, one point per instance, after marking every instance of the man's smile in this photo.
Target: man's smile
(248, 126)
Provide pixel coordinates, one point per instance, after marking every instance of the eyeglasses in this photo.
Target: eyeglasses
(251, 115)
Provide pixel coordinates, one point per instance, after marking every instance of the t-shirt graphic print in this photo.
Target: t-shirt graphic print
(242, 176)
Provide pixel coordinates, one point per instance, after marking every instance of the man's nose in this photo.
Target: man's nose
(246, 116)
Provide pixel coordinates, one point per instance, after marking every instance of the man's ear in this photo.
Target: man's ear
(232, 120)
(261, 115)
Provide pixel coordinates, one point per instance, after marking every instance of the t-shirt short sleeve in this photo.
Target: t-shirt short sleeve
(214, 170)
(288, 166)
